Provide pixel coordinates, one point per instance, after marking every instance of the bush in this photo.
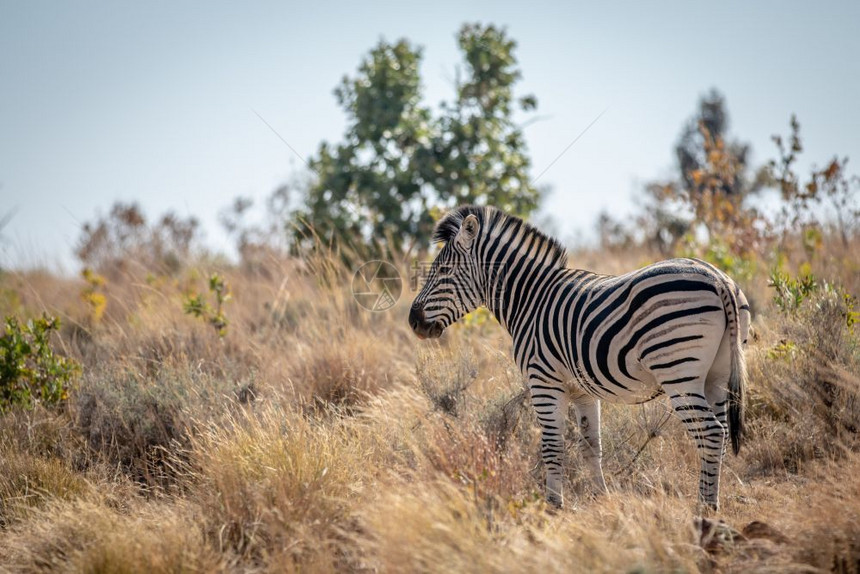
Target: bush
(340, 373)
(29, 370)
(142, 425)
(445, 382)
(807, 398)
(114, 243)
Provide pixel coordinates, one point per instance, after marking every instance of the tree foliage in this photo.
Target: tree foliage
(831, 186)
(713, 180)
(702, 211)
(400, 160)
(260, 242)
(125, 236)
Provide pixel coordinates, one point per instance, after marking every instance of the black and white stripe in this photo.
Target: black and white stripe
(676, 327)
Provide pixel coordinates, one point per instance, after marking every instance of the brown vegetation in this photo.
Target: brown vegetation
(316, 436)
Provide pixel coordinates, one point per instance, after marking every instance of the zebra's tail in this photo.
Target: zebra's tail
(737, 374)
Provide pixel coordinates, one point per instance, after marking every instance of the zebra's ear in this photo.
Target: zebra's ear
(468, 231)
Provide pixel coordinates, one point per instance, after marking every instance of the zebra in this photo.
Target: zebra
(676, 327)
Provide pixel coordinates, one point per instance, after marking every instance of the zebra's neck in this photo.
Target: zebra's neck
(518, 263)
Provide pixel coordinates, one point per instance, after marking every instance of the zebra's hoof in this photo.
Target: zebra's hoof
(555, 501)
(715, 536)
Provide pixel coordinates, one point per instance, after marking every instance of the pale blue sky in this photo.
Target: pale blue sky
(154, 101)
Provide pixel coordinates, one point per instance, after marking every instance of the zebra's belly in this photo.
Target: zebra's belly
(641, 387)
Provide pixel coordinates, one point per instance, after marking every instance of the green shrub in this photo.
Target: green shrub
(29, 370)
(805, 404)
(196, 305)
(791, 293)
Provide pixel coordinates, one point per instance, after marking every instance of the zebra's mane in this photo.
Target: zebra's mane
(491, 218)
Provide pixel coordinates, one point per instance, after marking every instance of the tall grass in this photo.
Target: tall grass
(316, 436)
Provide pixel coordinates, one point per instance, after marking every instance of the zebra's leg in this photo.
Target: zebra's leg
(717, 388)
(550, 404)
(588, 416)
(717, 395)
(689, 402)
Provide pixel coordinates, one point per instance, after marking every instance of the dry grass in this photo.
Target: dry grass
(319, 437)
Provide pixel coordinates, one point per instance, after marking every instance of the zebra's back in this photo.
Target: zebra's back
(614, 333)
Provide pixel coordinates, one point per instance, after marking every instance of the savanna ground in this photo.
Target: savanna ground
(317, 436)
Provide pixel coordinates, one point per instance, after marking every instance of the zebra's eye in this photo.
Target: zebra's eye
(445, 270)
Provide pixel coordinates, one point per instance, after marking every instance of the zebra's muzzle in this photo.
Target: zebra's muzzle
(424, 329)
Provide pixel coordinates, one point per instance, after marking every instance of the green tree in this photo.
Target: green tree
(399, 161)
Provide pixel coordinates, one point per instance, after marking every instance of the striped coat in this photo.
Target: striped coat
(676, 327)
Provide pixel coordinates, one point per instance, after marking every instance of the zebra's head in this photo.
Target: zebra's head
(452, 286)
